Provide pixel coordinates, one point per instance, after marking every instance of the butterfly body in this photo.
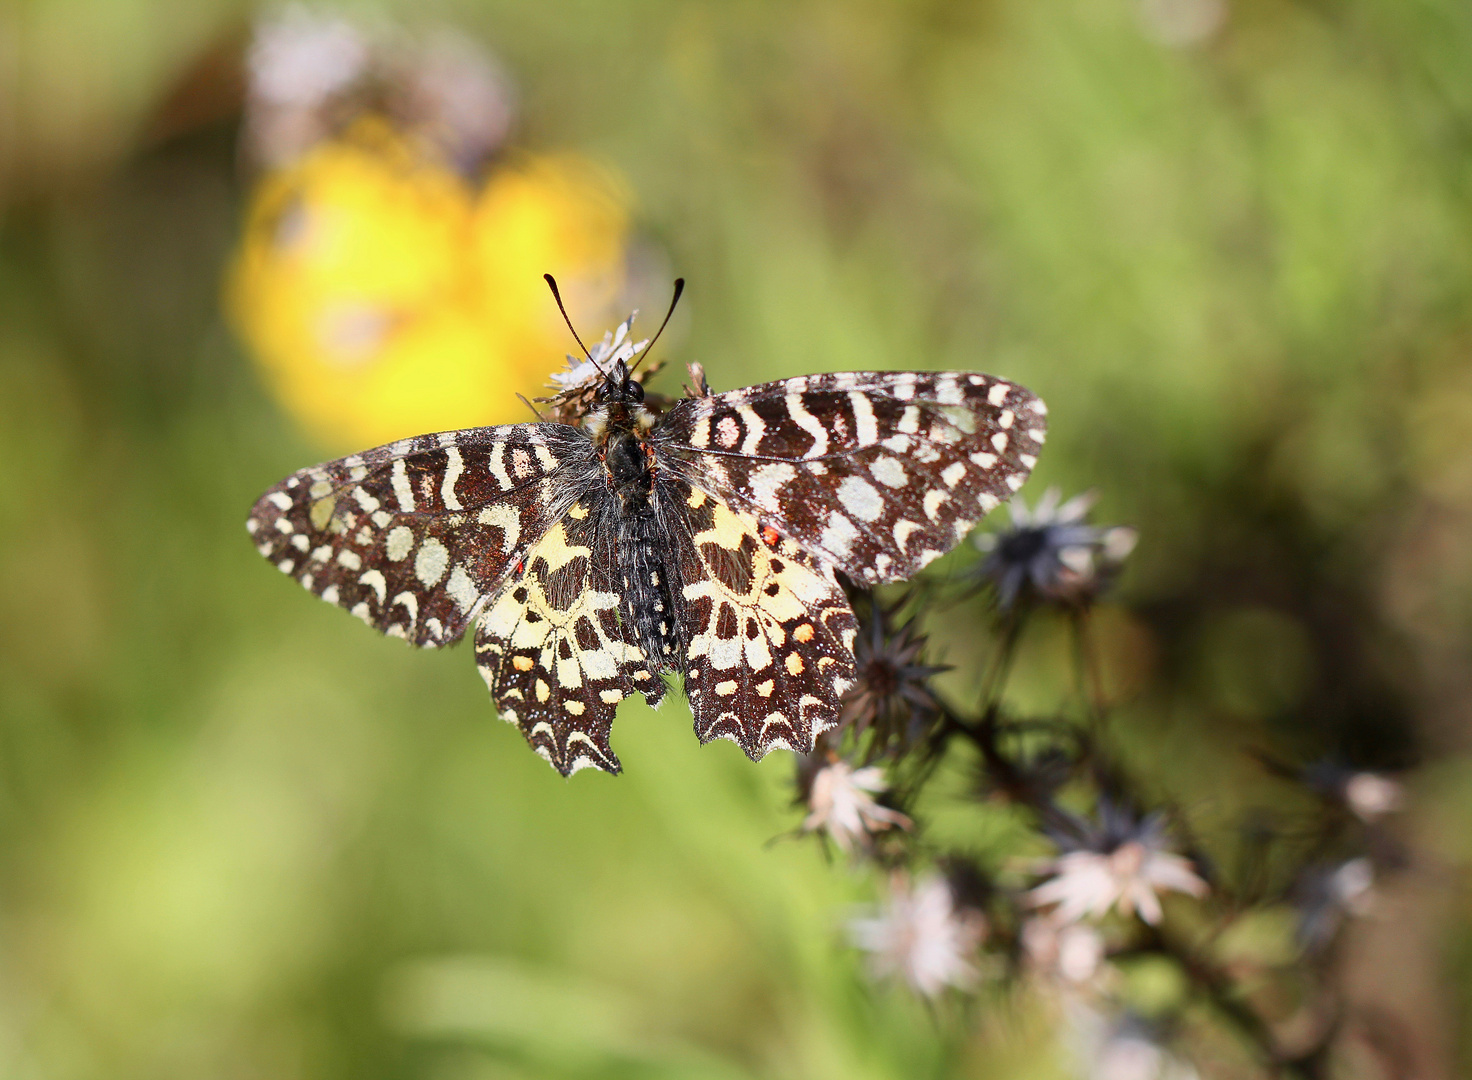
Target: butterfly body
(703, 539)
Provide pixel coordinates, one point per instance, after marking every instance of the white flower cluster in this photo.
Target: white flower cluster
(1128, 878)
(615, 346)
(922, 936)
(842, 805)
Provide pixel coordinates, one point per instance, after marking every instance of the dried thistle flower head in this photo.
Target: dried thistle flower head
(921, 935)
(1051, 553)
(891, 695)
(842, 804)
(1122, 864)
(579, 381)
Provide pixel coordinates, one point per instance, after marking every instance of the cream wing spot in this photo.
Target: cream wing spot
(454, 466)
(866, 427)
(860, 499)
(889, 472)
(462, 589)
(374, 580)
(498, 466)
(902, 530)
(767, 482)
(839, 535)
(809, 423)
(727, 432)
(403, 491)
(431, 562)
(398, 543)
(756, 427)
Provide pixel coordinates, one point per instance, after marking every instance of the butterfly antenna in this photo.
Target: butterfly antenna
(679, 288)
(552, 284)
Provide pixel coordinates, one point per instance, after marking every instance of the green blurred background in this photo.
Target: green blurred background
(241, 836)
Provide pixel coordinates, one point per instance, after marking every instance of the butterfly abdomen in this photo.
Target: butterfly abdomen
(648, 601)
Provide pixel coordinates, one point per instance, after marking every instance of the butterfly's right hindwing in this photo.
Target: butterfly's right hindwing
(553, 650)
(411, 537)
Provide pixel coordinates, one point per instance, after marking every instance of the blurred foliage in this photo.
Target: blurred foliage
(240, 836)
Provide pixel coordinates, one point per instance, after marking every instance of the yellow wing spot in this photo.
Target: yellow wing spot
(794, 664)
(321, 512)
(543, 690)
(577, 708)
(803, 634)
(523, 663)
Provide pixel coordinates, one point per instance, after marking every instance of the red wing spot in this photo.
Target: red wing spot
(770, 536)
(521, 566)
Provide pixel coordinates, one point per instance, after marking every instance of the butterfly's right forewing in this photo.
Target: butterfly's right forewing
(414, 536)
(552, 648)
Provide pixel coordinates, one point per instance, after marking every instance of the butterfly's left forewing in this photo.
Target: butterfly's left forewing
(875, 473)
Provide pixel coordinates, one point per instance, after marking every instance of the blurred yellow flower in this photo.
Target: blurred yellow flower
(383, 295)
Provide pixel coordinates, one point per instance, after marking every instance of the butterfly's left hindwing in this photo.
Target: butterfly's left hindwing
(769, 633)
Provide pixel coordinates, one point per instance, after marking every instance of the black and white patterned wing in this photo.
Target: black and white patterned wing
(874, 473)
(413, 536)
(769, 631)
(551, 646)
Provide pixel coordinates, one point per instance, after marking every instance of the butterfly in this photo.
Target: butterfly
(633, 537)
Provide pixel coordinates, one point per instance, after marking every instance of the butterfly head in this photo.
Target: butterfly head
(619, 387)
